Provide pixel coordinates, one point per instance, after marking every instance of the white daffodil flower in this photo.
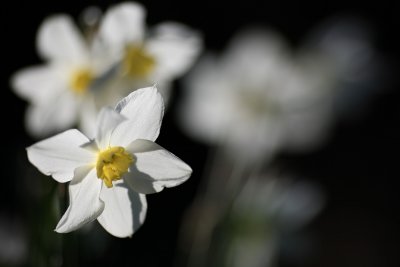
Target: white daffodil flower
(256, 99)
(109, 175)
(60, 91)
(157, 56)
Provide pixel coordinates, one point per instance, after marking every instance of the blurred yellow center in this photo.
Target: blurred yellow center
(137, 62)
(112, 164)
(80, 80)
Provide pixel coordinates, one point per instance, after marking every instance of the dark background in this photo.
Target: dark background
(357, 167)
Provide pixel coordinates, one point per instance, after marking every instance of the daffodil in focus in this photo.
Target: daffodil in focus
(256, 98)
(61, 91)
(110, 175)
(146, 57)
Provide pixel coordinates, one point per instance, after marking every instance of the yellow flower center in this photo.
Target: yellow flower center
(112, 164)
(80, 80)
(137, 62)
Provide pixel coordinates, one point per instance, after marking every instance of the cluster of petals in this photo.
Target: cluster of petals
(257, 97)
(120, 207)
(261, 96)
(80, 74)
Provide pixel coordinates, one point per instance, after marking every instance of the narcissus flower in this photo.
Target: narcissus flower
(146, 56)
(256, 99)
(110, 174)
(60, 91)
(84, 73)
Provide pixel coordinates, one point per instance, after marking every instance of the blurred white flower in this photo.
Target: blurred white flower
(110, 174)
(345, 44)
(287, 203)
(257, 98)
(267, 209)
(82, 75)
(60, 92)
(146, 57)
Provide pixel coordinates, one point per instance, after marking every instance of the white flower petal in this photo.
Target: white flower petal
(88, 117)
(123, 24)
(317, 117)
(175, 47)
(91, 146)
(144, 109)
(53, 116)
(154, 168)
(59, 40)
(60, 155)
(124, 210)
(85, 204)
(36, 84)
(255, 58)
(107, 120)
(206, 112)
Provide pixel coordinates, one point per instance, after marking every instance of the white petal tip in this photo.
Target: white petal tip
(129, 5)
(58, 230)
(123, 236)
(62, 229)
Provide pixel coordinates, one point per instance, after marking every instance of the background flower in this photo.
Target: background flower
(264, 217)
(255, 99)
(142, 56)
(82, 73)
(61, 90)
